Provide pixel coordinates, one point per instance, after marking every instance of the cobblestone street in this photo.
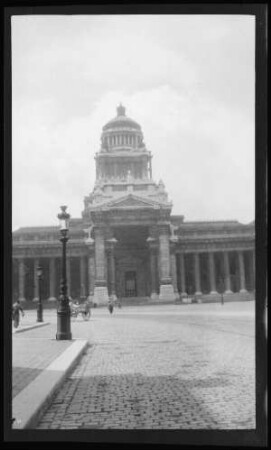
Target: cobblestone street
(163, 367)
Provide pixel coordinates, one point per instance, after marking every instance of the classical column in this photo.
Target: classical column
(100, 289)
(242, 272)
(112, 277)
(83, 277)
(197, 275)
(182, 274)
(212, 273)
(35, 278)
(152, 243)
(68, 268)
(91, 267)
(21, 280)
(227, 273)
(166, 287)
(52, 278)
(173, 268)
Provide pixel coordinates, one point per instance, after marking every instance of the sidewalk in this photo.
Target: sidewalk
(39, 366)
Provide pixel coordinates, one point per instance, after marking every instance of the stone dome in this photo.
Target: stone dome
(121, 121)
(122, 134)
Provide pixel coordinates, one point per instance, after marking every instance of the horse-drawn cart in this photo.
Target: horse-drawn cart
(83, 309)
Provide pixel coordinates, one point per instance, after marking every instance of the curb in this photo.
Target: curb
(30, 404)
(30, 327)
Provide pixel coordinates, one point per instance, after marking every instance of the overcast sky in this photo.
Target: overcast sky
(187, 80)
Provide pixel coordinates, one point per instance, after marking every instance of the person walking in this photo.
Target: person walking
(110, 305)
(16, 310)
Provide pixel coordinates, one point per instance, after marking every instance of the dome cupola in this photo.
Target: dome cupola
(121, 110)
(122, 133)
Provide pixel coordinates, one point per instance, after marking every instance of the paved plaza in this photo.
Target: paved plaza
(162, 367)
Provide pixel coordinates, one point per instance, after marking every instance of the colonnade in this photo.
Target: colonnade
(129, 139)
(222, 281)
(168, 267)
(27, 274)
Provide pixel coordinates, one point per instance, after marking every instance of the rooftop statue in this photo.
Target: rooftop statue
(88, 231)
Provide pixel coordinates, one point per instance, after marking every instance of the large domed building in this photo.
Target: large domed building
(128, 245)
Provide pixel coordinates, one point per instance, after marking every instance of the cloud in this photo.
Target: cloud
(68, 81)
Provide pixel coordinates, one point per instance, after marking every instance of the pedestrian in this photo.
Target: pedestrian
(16, 309)
(110, 305)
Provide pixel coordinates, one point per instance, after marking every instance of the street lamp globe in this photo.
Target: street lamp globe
(64, 220)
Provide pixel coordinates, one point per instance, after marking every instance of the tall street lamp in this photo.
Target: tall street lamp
(39, 309)
(63, 311)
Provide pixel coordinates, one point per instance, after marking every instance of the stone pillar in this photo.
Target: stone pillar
(21, 280)
(166, 287)
(242, 272)
(83, 277)
(112, 277)
(212, 273)
(91, 268)
(68, 268)
(182, 274)
(152, 243)
(227, 273)
(52, 278)
(100, 289)
(198, 292)
(173, 268)
(36, 282)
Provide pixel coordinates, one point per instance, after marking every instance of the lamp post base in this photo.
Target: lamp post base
(40, 314)
(63, 326)
(62, 336)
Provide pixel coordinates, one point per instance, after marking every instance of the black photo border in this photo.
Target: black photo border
(206, 438)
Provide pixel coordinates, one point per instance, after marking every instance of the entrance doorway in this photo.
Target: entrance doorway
(130, 284)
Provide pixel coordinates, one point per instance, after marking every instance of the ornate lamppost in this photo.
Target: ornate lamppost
(63, 311)
(39, 309)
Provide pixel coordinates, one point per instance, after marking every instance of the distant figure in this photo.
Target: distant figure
(16, 309)
(110, 306)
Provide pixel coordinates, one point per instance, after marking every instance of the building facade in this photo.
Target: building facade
(128, 245)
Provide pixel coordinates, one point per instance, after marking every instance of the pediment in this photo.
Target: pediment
(132, 201)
